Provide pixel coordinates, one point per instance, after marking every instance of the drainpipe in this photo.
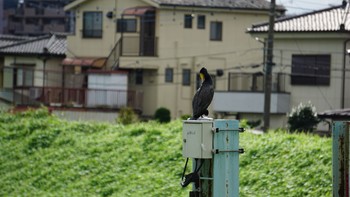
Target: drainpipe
(343, 74)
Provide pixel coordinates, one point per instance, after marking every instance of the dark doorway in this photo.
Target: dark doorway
(147, 34)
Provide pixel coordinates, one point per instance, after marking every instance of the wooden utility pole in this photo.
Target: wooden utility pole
(268, 67)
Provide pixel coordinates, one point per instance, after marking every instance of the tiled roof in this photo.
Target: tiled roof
(335, 114)
(326, 20)
(6, 40)
(225, 4)
(231, 4)
(49, 44)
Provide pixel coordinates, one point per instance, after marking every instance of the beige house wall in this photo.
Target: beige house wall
(1, 71)
(52, 64)
(322, 97)
(97, 47)
(192, 49)
(178, 48)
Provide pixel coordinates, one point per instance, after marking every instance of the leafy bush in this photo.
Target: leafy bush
(253, 123)
(162, 115)
(127, 116)
(303, 118)
(185, 116)
(41, 112)
(244, 124)
(42, 139)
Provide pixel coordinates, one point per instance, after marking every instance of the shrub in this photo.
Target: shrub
(185, 116)
(127, 116)
(162, 115)
(253, 123)
(303, 118)
(243, 123)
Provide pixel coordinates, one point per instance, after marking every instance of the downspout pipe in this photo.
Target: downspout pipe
(343, 74)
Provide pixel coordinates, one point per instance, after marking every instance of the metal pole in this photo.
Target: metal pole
(340, 158)
(226, 158)
(268, 67)
(345, 53)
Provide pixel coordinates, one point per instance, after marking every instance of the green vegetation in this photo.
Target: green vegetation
(162, 115)
(41, 155)
(127, 116)
(282, 164)
(303, 118)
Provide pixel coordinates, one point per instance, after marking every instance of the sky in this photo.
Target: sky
(303, 6)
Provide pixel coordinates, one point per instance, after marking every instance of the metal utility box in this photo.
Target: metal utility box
(197, 138)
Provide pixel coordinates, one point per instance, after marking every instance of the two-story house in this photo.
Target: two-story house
(162, 44)
(311, 53)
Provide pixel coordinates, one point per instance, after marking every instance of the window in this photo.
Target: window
(139, 77)
(92, 25)
(126, 25)
(311, 70)
(169, 72)
(188, 21)
(201, 22)
(186, 77)
(216, 31)
(23, 77)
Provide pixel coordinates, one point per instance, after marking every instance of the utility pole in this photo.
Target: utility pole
(268, 67)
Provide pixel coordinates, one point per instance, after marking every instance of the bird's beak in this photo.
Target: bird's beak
(201, 75)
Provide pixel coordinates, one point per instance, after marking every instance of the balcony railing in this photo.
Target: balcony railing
(139, 46)
(246, 94)
(73, 97)
(254, 82)
(132, 46)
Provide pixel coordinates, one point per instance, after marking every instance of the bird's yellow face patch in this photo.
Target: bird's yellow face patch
(201, 75)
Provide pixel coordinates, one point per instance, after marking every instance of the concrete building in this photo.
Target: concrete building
(35, 17)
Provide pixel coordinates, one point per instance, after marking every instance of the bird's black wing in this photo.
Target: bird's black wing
(202, 100)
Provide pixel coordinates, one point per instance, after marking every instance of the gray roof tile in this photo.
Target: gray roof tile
(325, 20)
(336, 114)
(230, 4)
(6, 40)
(50, 44)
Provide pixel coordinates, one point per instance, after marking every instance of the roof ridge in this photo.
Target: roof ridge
(49, 43)
(296, 16)
(26, 41)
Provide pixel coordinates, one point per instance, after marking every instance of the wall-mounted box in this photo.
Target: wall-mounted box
(197, 138)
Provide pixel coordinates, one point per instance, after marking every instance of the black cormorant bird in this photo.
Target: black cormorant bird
(203, 96)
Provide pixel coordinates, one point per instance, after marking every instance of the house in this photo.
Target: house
(34, 72)
(25, 65)
(5, 41)
(312, 62)
(163, 44)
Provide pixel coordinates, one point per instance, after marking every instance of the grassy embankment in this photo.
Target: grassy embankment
(41, 155)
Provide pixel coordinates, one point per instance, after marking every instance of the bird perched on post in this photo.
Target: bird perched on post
(203, 96)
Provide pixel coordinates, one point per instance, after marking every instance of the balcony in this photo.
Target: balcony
(138, 46)
(246, 95)
(73, 97)
(250, 102)
(132, 46)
